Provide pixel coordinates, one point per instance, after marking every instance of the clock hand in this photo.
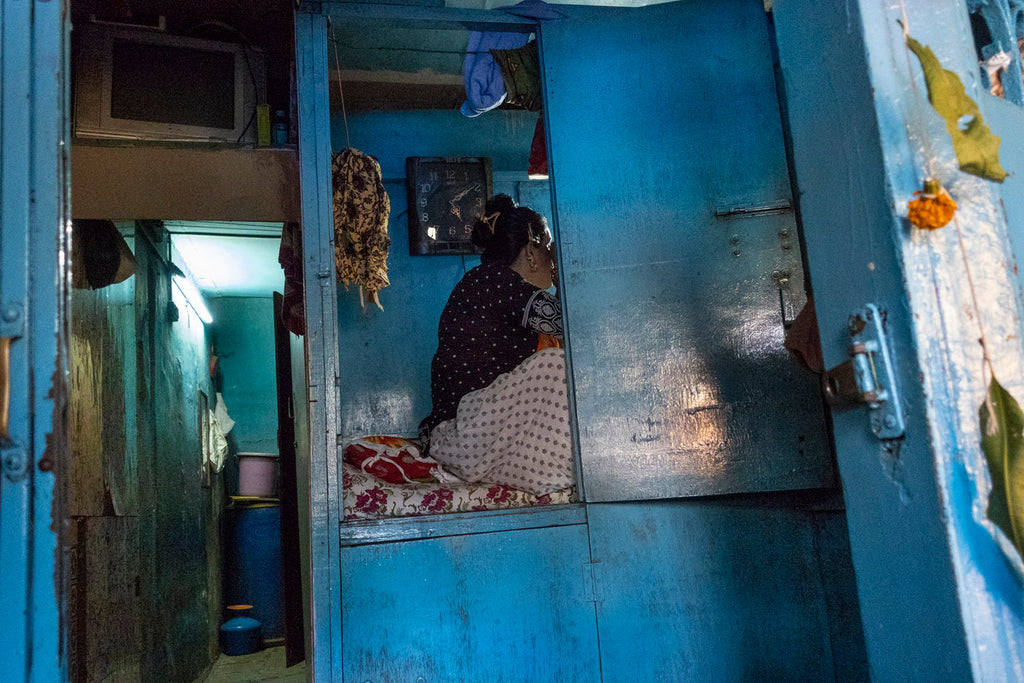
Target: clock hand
(459, 195)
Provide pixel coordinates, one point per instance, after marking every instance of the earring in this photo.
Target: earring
(532, 260)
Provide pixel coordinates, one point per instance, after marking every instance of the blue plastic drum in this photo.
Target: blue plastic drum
(252, 564)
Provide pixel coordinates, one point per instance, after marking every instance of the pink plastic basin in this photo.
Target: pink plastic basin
(257, 474)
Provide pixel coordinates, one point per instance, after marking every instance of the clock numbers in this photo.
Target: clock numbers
(445, 198)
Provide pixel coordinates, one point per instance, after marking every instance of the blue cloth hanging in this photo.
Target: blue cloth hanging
(485, 86)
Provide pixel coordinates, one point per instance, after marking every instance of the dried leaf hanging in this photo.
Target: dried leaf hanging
(977, 149)
(1002, 440)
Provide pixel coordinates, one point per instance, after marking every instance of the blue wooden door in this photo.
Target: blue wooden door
(680, 253)
(682, 269)
(33, 195)
(922, 559)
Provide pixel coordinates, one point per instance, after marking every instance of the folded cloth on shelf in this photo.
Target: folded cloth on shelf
(395, 460)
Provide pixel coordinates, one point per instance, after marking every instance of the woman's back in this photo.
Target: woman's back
(482, 333)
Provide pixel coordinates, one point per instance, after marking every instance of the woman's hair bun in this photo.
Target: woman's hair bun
(481, 234)
(484, 228)
(500, 202)
(504, 229)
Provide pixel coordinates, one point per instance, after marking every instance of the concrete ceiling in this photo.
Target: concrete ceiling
(230, 259)
(387, 68)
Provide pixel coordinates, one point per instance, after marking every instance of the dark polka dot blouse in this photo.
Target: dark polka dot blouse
(489, 326)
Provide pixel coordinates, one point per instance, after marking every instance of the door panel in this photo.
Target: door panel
(497, 607)
(679, 252)
(288, 491)
(691, 591)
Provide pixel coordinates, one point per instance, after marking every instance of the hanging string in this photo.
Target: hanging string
(905, 24)
(929, 157)
(341, 93)
(986, 360)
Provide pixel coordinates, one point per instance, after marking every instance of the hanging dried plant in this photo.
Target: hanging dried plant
(976, 148)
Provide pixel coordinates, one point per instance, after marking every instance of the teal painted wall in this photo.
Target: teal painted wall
(181, 538)
(383, 360)
(243, 329)
(145, 602)
(103, 485)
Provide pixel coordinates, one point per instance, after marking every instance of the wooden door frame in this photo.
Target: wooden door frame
(35, 311)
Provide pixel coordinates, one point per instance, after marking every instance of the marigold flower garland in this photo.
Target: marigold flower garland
(933, 209)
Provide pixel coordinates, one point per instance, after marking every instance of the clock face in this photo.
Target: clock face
(446, 197)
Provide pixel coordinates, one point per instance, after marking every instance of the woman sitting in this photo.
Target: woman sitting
(500, 405)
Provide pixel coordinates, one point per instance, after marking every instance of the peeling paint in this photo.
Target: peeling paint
(889, 457)
(946, 326)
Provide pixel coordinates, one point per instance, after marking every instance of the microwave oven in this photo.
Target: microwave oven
(134, 84)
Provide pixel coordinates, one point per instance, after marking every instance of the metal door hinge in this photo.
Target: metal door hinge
(867, 378)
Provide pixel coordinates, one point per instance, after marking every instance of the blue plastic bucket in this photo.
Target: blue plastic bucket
(240, 636)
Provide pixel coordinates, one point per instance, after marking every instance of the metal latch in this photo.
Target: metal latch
(867, 378)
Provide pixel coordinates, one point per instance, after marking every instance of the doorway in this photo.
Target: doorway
(172, 377)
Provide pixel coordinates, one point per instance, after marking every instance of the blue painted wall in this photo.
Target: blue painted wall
(1007, 120)
(385, 355)
(243, 329)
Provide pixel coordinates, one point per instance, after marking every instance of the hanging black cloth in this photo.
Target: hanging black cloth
(293, 308)
(100, 256)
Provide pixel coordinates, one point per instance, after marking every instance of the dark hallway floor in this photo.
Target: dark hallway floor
(266, 665)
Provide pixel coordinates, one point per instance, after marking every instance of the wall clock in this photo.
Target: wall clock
(446, 196)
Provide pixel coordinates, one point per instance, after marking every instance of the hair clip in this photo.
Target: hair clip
(491, 221)
(534, 237)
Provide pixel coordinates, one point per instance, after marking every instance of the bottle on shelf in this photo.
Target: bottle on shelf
(279, 132)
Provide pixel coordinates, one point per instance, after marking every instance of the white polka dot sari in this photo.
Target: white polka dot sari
(514, 431)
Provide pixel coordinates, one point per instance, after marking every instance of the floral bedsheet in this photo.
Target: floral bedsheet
(367, 497)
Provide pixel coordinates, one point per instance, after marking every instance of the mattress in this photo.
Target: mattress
(367, 497)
